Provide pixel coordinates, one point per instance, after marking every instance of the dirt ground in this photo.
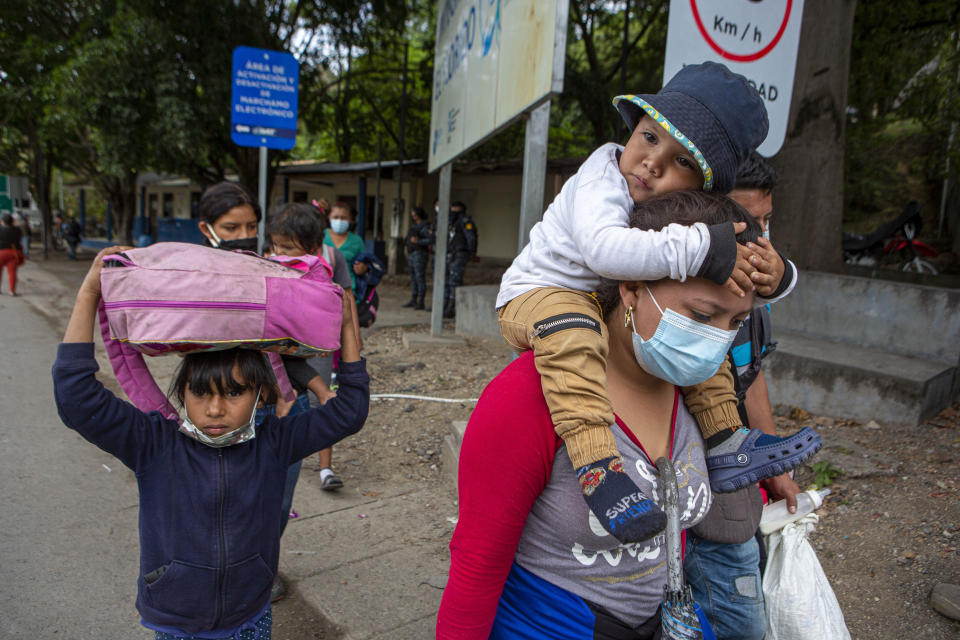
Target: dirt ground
(887, 534)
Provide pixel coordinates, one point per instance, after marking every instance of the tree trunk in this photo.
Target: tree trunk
(40, 176)
(121, 193)
(809, 199)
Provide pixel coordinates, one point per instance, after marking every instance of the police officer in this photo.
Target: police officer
(419, 240)
(461, 245)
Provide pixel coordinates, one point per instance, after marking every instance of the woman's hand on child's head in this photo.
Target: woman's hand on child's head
(769, 266)
(91, 282)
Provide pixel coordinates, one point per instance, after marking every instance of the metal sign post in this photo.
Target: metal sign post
(534, 171)
(263, 108)
(440, 250)
(262, 199)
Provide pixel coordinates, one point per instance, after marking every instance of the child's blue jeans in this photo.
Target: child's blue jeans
(725, 580)
(300, 405)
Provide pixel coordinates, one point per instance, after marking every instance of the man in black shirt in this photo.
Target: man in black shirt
(462, 245)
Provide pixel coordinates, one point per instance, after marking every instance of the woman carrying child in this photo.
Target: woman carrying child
(211, 485)
(691, 135)
(528, 558)
(295, 232)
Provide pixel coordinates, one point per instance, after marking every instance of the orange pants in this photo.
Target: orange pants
(9, 259)
(573, 372)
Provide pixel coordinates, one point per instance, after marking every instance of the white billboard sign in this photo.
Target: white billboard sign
(494, 60)
(755, 38)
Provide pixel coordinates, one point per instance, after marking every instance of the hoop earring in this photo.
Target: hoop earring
(627, 317)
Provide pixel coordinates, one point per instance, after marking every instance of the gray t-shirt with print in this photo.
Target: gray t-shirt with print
(563, 543)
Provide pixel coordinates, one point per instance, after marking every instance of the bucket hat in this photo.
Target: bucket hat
(715, 113)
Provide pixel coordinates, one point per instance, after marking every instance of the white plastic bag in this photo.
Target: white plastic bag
(799, 601)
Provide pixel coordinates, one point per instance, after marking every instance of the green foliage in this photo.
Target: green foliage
(825, 473)
(886, 168)
(108, 89)
(601, 64)
(903, 101)
(352, 88)
(355, 93)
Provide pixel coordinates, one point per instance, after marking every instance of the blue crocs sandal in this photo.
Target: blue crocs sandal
(760, 456)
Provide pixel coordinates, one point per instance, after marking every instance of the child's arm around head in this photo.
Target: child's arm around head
(349, 335)
(83, 403)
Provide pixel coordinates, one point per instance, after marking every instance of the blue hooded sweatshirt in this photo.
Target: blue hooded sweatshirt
(209, 518)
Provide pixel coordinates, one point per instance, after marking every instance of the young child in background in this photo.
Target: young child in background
(693, 134)
(297, 231)
(210, 486)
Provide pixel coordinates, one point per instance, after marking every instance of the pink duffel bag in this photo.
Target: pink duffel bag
(174, 297)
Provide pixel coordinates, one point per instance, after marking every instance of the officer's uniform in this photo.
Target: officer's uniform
(462, 244)
(417, 257)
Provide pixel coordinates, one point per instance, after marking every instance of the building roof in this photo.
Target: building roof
(342, 167)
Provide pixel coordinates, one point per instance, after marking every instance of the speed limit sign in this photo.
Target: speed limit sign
(755, 38)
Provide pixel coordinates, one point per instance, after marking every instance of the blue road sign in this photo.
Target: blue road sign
(263, 107)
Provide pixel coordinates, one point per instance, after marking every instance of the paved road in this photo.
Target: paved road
(68, 529)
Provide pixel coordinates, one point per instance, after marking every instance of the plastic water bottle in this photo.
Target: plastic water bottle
(775, 515)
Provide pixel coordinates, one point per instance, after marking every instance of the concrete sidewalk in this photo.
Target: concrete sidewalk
(370, 559)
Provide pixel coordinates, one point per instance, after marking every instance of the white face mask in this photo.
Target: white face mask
(766, 233)
(244, 433)
(339, 225)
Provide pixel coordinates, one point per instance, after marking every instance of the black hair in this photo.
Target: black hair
(340, 204)
(219, 198)
(756, 173)
(300, 222)
(459, 205)
(211, 371)
(7, 219)
(680, 207)
(420, 213)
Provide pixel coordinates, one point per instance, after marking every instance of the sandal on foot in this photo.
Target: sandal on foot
(760, 456)
(331, 483)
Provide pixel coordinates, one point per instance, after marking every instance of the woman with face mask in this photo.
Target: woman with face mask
(527, 554)
(229, 217)
(338, 235)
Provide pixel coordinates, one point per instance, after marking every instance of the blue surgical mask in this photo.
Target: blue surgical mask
(766, 233)
(682, 351)
(339, 225)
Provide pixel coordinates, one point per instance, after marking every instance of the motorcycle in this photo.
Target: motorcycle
(897, 237)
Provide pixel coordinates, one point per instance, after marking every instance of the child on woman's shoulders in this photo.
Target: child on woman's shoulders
(691, 135)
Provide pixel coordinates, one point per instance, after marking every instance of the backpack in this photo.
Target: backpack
(174, 297)
(367, 308)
